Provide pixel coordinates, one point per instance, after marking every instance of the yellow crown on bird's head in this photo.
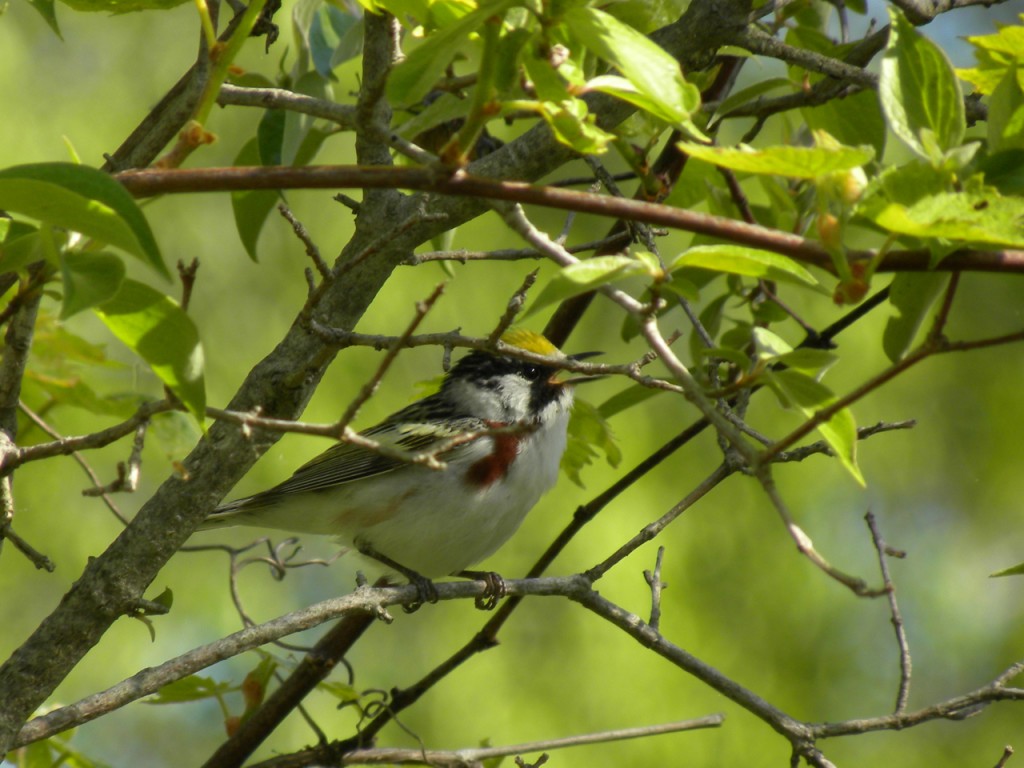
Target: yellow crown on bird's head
(529, 341)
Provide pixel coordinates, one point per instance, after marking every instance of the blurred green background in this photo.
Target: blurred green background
(739, 596)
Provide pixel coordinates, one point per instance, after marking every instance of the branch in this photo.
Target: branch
(17, 345)
(885, 552)
(921, 12)
(36, 419)
(476, 756)
(279, 98)
(756, 41)
(314, 668)
(612, 243)
(957, 708)
(371, 601)
(66, 446)
(146, 183)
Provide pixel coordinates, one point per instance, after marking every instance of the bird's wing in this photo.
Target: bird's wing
(345, 462)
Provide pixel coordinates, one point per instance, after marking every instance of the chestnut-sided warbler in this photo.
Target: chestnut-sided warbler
(506, 419)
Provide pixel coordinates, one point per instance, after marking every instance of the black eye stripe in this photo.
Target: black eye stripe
(481, 366)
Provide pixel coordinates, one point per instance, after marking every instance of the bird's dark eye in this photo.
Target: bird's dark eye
(531, 372)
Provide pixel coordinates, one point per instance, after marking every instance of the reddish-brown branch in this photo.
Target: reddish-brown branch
(146, 183)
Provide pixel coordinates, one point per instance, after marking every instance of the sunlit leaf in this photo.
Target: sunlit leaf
(810, 396)
(89, 279)
(1006, 112)
(793, 162)
(975, 216)
(740, 260)
(584, 276)
(154, 327)
(413, 77)
(652, 71)
(84, 200)
(918, 90)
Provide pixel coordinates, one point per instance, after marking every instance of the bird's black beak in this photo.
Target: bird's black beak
(583, 377)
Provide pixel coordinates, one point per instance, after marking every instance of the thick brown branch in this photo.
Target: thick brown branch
(151, 182)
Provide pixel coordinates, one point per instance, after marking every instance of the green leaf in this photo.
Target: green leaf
(572, 126)
(651, 70)
(301, 139)
(121, 6)
(793, 162)
(20, 246)
(856, 120)
(588, 433)
(344, 693)
(442, 109)
(191, 688)
(752, 92)
(627, 398)
(84, 200)
(919, 91)
(89, 279)
(768, 345)
(165, 599)
(740, 260)
(1013, 570)
(912, 294)
(994, 53)
(981, 216)
(809, 396)
(810, 361)
(251, 207)
(154, 327)
(74, 392)
(413, 78)
(625, 90)
(48, 12)
(1003, 170)
(1006, 112)
(584, 276)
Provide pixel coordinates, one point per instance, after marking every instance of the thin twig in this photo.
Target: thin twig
(906, 665)
(804, 544)
(513, 308)
(127, 479)
(514, 254)
(187, 274)
(370, 387)
(36, 419)
(653, 579)
(69, 445)
(462, 757)
(651, 530)
(37, 558)
(822, 447)
(278, 98)
(1007, 754)
(311, 250)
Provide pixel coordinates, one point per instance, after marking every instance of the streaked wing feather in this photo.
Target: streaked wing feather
(345, 462)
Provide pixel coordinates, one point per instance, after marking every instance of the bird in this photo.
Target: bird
(499, 424)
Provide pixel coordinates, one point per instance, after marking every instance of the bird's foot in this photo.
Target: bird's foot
(426, 592)
(495, 588)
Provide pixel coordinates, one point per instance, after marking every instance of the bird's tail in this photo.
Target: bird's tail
(225, 515)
